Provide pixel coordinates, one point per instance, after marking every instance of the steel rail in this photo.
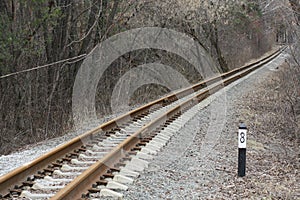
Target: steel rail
(18, 175)
(79, 185)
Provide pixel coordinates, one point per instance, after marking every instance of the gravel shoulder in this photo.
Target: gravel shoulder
(200, 162)
(30, 152)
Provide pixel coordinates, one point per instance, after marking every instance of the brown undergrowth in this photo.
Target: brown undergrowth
(272, 112)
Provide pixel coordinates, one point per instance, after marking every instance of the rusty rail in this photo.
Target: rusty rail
(74, 189)
(84, 180)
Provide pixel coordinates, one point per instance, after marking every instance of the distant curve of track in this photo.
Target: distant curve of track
(102, 161)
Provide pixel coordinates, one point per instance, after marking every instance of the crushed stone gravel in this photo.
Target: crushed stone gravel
(200, 164)
(30, 152)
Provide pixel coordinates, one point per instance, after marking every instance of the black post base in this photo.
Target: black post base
(242, 162)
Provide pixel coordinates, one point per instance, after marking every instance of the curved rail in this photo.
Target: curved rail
(18, 175)
(86, 179)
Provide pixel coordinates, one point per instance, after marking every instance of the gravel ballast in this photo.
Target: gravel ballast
(30, 152)
(200, 162)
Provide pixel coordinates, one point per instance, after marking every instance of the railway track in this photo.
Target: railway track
(103, 161)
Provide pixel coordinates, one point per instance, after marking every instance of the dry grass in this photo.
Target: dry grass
(273, 150)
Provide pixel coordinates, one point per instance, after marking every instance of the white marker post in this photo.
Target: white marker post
(242, 137)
